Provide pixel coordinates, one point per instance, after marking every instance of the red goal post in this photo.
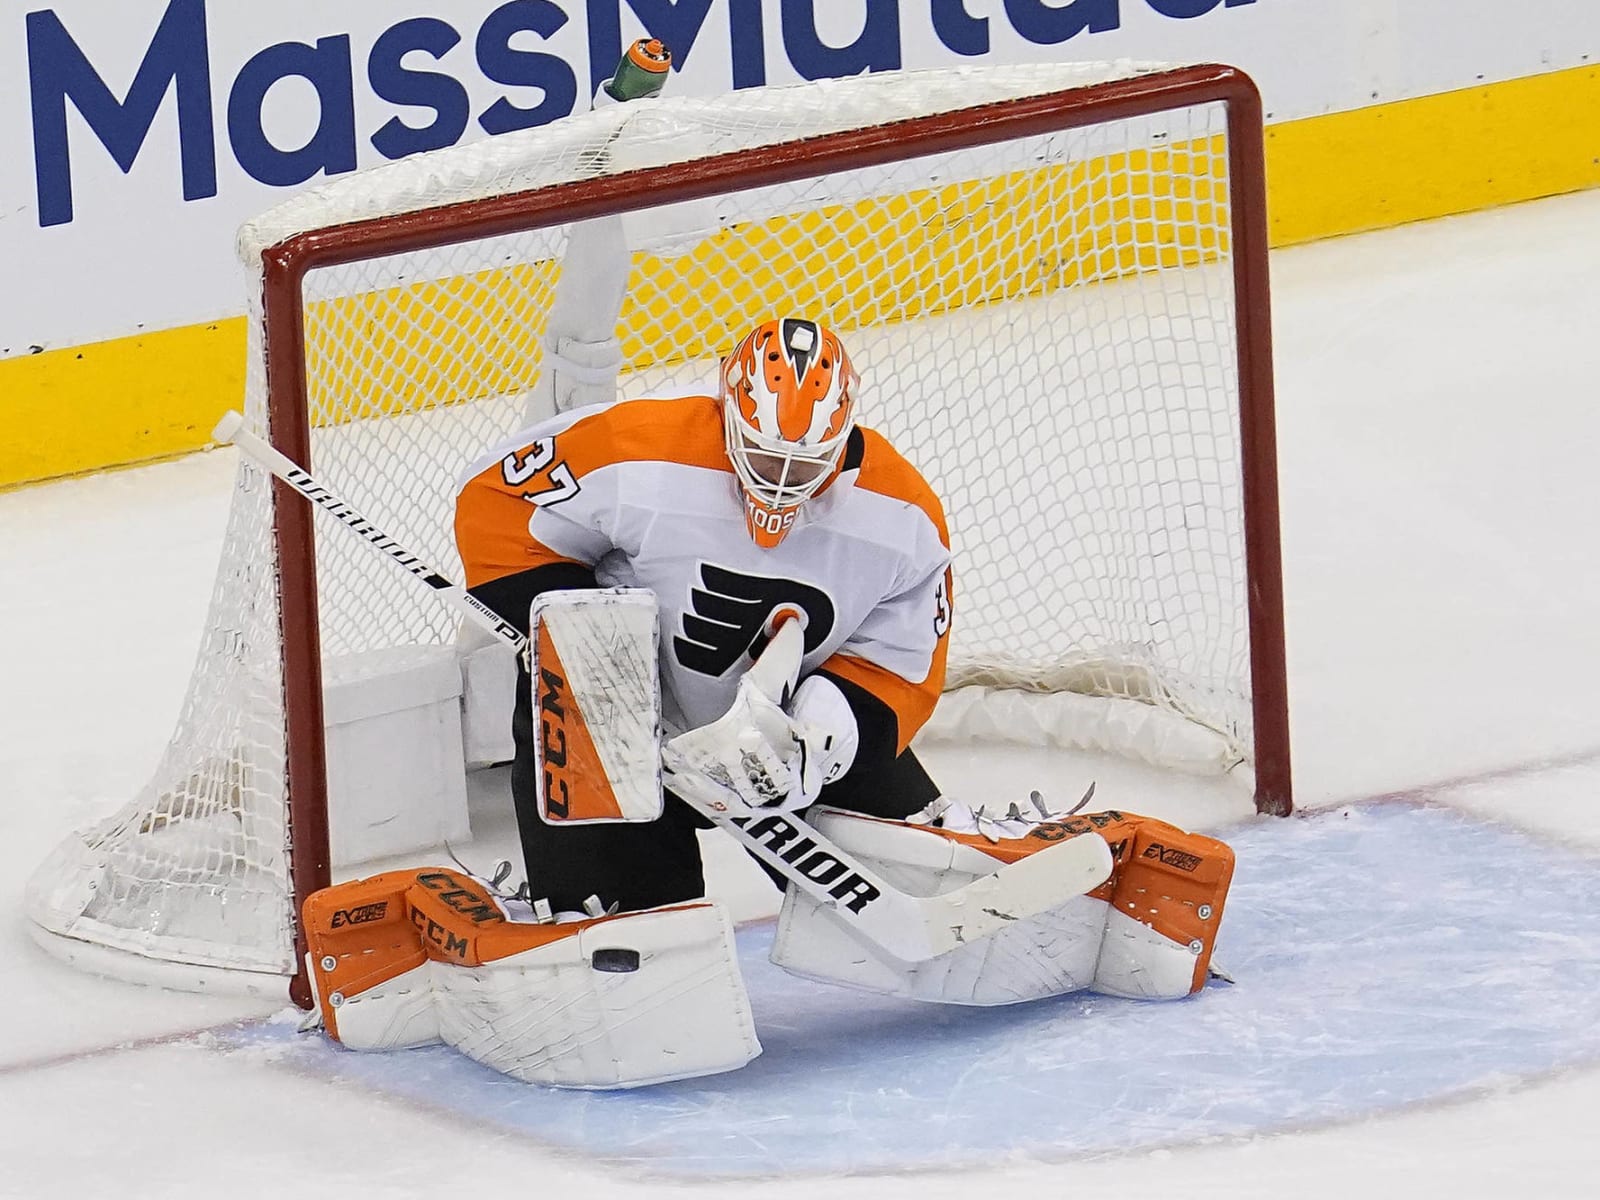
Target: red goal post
(1180, 200)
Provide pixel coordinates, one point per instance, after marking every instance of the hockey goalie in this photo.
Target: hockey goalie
(737, 610)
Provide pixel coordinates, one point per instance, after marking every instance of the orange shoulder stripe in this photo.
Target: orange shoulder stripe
(491, 520)
(885, 470)
(686, 431)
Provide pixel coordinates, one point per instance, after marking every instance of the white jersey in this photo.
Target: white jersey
(643, 493)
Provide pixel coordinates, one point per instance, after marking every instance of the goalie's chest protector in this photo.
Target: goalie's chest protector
(649, 499)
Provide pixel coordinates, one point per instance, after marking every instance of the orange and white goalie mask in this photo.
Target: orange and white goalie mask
(788, 404)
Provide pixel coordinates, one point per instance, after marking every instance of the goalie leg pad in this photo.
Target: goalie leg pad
(415, 957)
(1045, 955)
(369, 971)
(1147, 933)
(1166, 893)
(635, 999)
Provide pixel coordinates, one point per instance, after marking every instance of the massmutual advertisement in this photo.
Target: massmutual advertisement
(136, 136)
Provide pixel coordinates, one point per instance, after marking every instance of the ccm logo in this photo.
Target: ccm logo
(454, 894)
(553, 743)
(360, 916)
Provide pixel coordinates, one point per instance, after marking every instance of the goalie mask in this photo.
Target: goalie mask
(788, 406)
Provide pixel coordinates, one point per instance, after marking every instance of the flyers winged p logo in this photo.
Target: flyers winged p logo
(727, 617)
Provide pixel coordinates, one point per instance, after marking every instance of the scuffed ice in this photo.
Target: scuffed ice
(1384, 956)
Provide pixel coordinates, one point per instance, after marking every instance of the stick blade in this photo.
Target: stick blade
(1023, 889)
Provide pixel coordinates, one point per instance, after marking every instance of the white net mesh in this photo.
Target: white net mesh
(1044, 325)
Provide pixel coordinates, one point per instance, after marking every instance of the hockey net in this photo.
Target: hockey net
(1052, 279)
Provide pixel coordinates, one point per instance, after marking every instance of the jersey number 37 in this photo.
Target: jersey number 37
(519, 467)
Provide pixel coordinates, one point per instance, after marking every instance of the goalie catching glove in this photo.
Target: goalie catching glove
(761, 755)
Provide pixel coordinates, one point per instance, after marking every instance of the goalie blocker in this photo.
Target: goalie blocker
(596, 705)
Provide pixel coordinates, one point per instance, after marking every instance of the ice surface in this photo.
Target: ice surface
(1376, 963)
(1438, 433)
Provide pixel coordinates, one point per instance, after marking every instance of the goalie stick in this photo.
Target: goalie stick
(911, 928)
